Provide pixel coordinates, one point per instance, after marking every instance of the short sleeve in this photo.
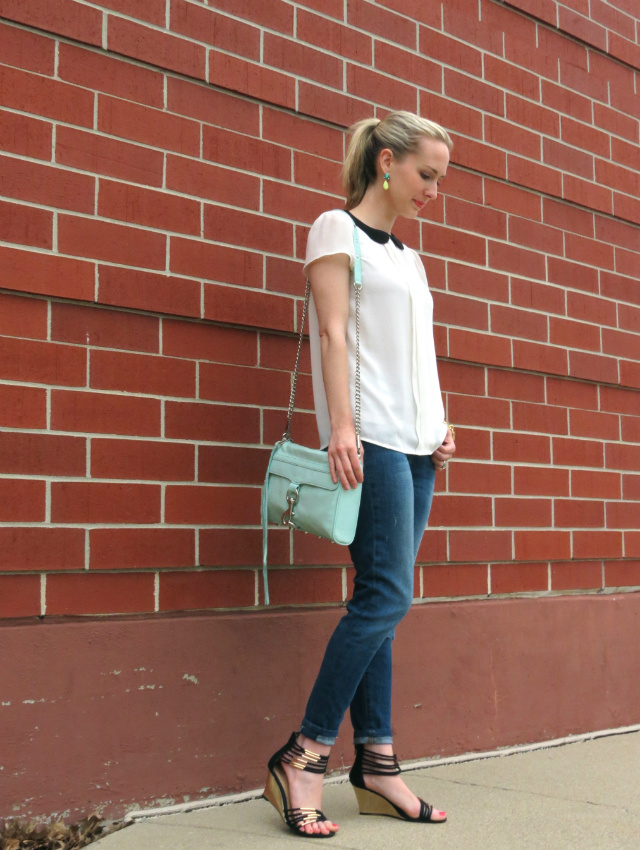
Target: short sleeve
(331, 233)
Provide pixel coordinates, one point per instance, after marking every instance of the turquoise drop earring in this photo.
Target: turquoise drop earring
(385, 181)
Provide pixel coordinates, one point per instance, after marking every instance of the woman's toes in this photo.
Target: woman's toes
(438, 815)
(315, 828)
(323, 827)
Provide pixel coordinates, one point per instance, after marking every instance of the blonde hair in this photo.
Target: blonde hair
(401, 132)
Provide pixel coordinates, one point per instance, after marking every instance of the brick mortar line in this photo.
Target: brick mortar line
(279, 408)
(519, 594)
(105, 25)
(130, 571)
(569, 350)
(417, 600)
(448, 494)
(143, 395)
(103, 305)
(295, 298)
(271, 407)
(56, 59)
(47, 499)
(43, 594)
(106, 525)
(155, 483)
(156, 271)
(471, 427)
(285, 567)
(143, 438)
(60, 478)
(162, 273)
(47, 409)
(511, 530)
(291, 567)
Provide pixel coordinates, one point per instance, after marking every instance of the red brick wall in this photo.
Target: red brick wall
(161, 163)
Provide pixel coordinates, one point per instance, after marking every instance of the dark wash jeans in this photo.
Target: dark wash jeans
(356, 669)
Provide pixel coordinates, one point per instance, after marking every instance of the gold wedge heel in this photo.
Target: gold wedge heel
(368, 763)
(372, 803)
(277, 788)
(273, 794)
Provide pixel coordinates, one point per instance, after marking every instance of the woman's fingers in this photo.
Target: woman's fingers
(356, 464)
(345, 467)
(448, 445)
(346, 472)
(341, 475)
(332, 469)
(443, 454)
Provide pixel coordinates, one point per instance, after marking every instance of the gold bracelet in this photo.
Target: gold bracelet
(452, 429)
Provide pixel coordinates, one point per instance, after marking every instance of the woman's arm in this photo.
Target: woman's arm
(330, 287)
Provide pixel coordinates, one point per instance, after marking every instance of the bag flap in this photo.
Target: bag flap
(301, 465)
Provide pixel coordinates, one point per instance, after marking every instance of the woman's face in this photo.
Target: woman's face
(414, 179)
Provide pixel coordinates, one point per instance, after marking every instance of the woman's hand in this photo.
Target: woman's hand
(344, 464)
(445, 452)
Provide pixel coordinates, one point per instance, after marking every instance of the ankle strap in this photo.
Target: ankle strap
(379, 764)
(303, 759)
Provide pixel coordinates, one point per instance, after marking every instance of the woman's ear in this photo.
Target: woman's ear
(385, 158)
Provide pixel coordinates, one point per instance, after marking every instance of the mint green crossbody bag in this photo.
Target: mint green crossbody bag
(298, 491)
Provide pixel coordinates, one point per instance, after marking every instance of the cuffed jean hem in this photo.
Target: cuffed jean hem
(373, 739)
(310, 731)
(320, 736)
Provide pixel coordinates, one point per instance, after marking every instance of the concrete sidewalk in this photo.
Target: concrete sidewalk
(579, 796)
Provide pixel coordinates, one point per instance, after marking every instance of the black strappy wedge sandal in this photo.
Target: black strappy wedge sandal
(277, 788)
(369, 763)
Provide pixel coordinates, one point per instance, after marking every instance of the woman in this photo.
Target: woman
(392, 169)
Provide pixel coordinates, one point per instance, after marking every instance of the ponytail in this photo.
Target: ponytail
(359, 169)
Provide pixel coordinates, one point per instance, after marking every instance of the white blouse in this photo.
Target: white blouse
(402, 405)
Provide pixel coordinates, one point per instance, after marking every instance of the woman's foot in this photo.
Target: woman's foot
(394, 788)
(305, 788)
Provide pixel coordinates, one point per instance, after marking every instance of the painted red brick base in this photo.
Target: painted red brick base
(117, 713)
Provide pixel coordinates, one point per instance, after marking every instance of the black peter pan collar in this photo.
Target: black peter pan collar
(379, 236)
